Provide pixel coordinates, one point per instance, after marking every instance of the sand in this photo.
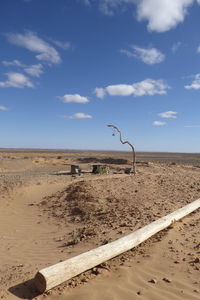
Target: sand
(48, 215)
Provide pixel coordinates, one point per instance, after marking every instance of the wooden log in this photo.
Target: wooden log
(54, 275)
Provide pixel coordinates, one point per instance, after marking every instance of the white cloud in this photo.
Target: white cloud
(15, 63)
(147, 55)
(120, 90)
(34, 70)
(162, 15)
(32, 42)
(148, 87)
(100, 92)
(16, 80)
(108, 6)
(3, 108)
(159, 123)
(80, 116)
(127, 52)
(73, 98)
(195, 83)
(62, 45)
(168, 115)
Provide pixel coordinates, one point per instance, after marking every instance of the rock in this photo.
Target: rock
(166, 280)
(153, 281)
(60, 239)
(44, 202)
(95, 271)
(71, 242)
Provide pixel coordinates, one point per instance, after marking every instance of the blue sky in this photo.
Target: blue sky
(69, 67)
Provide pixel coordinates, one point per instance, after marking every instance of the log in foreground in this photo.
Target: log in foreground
(54, 275)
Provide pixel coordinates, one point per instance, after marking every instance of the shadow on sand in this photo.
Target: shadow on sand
(24, 290)
(70, 174)
(61, 173)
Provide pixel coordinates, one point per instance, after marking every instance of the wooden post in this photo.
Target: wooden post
(54, 275)
(126, 142)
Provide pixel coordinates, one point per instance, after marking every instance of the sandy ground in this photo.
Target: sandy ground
(48, 215)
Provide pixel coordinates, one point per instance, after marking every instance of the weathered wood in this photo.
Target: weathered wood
(126, 142)
(54, 275)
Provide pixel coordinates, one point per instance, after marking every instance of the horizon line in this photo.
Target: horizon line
(94, 150)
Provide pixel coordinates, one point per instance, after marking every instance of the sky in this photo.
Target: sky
(70, 67)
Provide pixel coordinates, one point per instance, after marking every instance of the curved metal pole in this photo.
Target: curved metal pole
(126, 142)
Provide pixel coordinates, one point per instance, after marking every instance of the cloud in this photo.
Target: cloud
(162, 15)
(148, 87)
(16, 80)
(80, 116)
(195, 83)
(198, 49)
(74, 98)
(127, 52)
(62, 45)
(15, 63)
(120, 90)
(34, 70)
(168, 115)
(3, 108)
(108, 7)
(159, 123)
(147, 55)
(100, 92)
(33, 43)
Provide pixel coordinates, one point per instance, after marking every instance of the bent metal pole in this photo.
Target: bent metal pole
(54, 275)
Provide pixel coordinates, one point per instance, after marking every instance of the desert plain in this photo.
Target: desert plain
(48, 215)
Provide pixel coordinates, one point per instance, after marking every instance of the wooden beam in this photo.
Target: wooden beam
(54, 275)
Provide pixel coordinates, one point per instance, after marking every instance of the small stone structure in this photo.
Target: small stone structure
(100, 169)
(128, 171)
(75, 169)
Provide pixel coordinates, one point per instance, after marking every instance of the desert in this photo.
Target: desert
(49, 215)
